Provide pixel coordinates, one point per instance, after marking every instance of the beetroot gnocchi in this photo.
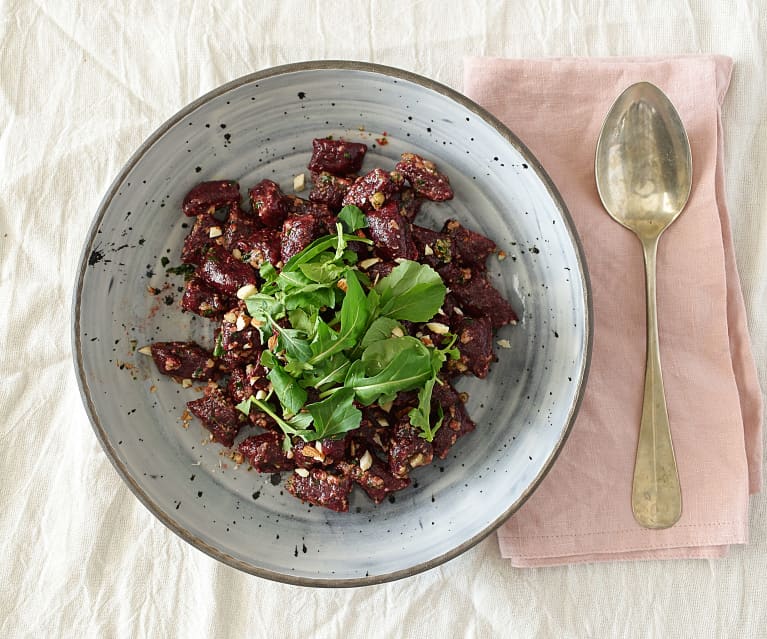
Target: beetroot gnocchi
(235, 251)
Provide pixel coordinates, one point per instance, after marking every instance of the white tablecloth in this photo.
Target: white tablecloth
(81, 85)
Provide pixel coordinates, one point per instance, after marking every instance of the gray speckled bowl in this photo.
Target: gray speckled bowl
(261, 126)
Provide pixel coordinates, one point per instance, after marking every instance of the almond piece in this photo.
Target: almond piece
(244, 292)
(438, 327)
(366, 461)
(366, 264)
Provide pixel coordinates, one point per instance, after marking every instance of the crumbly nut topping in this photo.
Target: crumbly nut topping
(311, 451)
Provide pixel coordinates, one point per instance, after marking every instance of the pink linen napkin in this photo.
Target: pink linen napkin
(582, 512)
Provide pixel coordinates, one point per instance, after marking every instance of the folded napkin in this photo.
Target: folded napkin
(582, 510)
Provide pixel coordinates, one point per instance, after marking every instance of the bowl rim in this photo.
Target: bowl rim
(77, 347)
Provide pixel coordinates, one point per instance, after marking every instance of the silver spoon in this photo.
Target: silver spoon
(644, 175)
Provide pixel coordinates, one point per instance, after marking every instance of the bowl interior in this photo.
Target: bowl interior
(260, 127)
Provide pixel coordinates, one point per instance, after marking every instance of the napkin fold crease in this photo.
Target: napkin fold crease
(581, 512)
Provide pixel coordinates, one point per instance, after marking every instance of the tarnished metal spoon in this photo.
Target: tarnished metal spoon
(644, 175)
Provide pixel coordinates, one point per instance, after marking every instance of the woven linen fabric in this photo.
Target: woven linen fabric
(582, 510)
(82, 84)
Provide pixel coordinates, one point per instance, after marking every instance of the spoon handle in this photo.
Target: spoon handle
(656, 498)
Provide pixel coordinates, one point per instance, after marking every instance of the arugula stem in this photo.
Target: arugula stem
(330, 391)
(286, 428)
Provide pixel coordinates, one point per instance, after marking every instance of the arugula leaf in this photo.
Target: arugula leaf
(290, 394)
(301, 292)
(268, 359)
(336, 414)
(292, 279)
(381, 328)
(303, 321)
(380, 354)
(331, 371)
(294, 343)
(412, 291)
(387, 367)
(354, 310)
(352, 218)
(396, 377)
(311, 296)
(267, 272)
(350, 257)
(318, 246)
(265, 307)
(297, 368)
(244, 405)
(285, 425)
(331, 417)
(325, 340)
(420, 416)
(323, 271)
(374, 299)
(354, 317)
(439, 355)
(301, 421)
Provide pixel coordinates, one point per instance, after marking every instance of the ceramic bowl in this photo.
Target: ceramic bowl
(261, 126)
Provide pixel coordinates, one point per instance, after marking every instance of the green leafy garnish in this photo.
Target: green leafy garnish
(286, 387)
(388, 367)
(412, 292)
(294, 343)
(267, 272)
(382, 328)
(288, 426)
(322, 244)
(352, 218)
(336, 414)
(331, 417)
(420, 416)
(329, 330)
(330, 371)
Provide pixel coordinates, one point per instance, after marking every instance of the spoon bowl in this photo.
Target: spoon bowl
(643, 172)
(643, 162)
